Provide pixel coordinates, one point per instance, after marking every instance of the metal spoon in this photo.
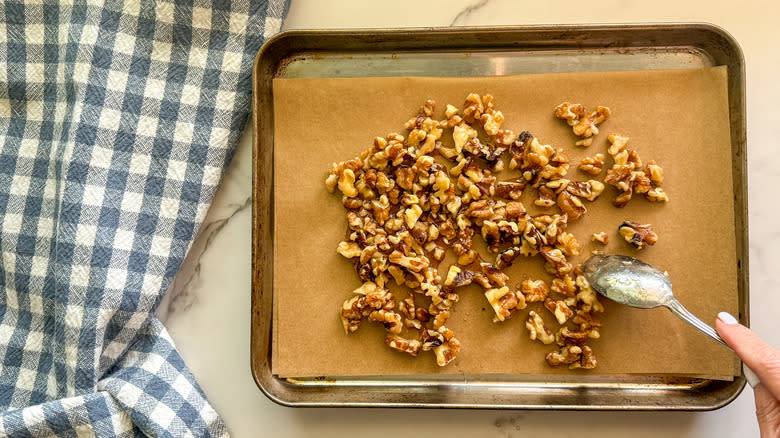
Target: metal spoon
(634, 283)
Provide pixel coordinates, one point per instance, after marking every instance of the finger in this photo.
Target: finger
(758, 355)
(767, 412)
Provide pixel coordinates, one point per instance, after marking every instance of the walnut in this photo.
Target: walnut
(617, 144)
(638, 235)
(556, 261)
(457, 277)
(587, 297)
(559, 309)
(391, 320)
(431, 339)
(415, 264)
(565, 336)
(589, 190)
(330, 182)
(472, 108)
(571, 205)
(657, 194)
(587, 360)
(600, 237)
(568, 354)
(504, 302)
(446, 352)
(534, 290)
(491, 122)
(493, 274)
(546, 198)
(411, 346)
(586, 322)
(351, 314)
(592, 165)
(571, 112)
(510, 189)
(655, 173)
(568, 244)
(349, 249)
(537, 329)
(407, 307)
(564, 285)
(505, 258)
(584, 126)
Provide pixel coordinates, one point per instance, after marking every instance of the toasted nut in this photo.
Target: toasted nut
(600, 237)
(504, 302)
(592, 165)
(584, 126)
(411, 346)
(564, 285)
(349, 249)
(568, 354)
(638, 235)
(534, 290)
(446, 352)
(537, 329)
(559, 309)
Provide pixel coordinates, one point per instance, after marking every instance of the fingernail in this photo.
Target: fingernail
(727, 318)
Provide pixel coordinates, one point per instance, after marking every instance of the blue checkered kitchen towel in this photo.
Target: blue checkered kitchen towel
(117, 119)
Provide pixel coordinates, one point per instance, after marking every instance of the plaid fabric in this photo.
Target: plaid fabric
(117, 119)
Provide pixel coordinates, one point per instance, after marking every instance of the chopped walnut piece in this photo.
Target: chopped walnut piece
(391, 320)
(411, 346)
(564, 285)
(431, 339)
(638, 235)
(537, 329)
(600, 237)
(571, 205)
(586, 322)
(587, 361)
(568, 244)
(446, 352)
(657, 194)
(510, 189)
(584, 126)
(589, 190)
(559, 309)
(534, 290)
(504, 302)
(565, 336)
(568, 354)
(349, 249)
(592, 165)
(587, 297)
(556, 261)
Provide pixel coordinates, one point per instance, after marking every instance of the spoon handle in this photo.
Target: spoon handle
(683, 313)
(678, 309)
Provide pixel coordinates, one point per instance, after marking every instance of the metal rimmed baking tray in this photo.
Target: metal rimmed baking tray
(479, 52)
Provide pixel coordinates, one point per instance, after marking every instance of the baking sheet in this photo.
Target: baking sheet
(679, 118)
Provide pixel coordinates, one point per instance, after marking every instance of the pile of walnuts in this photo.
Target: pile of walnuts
(405, 209)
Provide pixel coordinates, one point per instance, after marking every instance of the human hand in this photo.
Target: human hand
(764, 360)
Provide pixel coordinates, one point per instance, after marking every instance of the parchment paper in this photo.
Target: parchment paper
(678, 118)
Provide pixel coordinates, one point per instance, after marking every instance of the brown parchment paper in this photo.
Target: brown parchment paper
(678, 118)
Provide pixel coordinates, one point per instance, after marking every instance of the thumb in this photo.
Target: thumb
(762, 358)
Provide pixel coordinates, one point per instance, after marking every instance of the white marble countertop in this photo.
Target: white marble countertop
(207, 311)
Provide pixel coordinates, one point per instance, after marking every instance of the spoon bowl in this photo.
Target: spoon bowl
(628, 281)
(632, 282)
